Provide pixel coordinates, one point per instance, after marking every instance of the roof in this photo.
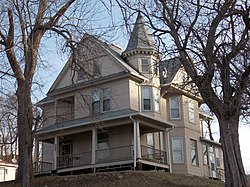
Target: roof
(111, 50)
(140, 37)
(112, 115)
(169, 69)
(7, 164)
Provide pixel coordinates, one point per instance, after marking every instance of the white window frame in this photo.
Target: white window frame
(174, 108)
(177, 151)
(191, 116)
(146, 66)
(145, 97)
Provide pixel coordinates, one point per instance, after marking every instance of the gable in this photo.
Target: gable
(94, 59)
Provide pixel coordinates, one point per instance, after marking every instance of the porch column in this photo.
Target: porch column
(94, 136)
(166, 140)
(138, 140)
(36, 155)
(56, 151)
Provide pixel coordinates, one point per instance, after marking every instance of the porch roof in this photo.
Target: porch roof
(107, 116)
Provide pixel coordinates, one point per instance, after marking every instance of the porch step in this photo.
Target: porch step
(114, 168)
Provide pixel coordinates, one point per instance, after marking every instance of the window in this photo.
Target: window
(174, 107)
(145, 65)
(217, 157)
(101, 101)
(177, 150)
(96, 101)
(157, 99)
(147, 95)
(103, 145)
(96, 69)
(194, 155)
(106, 99)
(205, 154)
(150, 139)
(191, 111)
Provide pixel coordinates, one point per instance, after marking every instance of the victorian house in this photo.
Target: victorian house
(111, 109)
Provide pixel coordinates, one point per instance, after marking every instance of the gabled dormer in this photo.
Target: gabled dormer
(141, 52)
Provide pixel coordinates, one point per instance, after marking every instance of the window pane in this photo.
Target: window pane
(177, 150)
(95, 95)
(150, 139)
(174, 107)
(96, 101)
(175, 113)
(146, 104)
(145, 65)
(146, 92)
(106, 93)
(147, 95)
(194, 156)
(106, 104)
(106, 99)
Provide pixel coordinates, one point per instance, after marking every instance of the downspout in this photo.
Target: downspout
(135, 141)
(169, 150)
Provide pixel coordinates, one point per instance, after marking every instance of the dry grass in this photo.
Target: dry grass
(122, 179)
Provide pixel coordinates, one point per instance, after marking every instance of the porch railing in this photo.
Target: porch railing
(74, 160)
(155, 155)
(104, 156)
(42, 167)
(114, 154)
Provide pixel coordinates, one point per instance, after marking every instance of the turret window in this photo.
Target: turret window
(145, 65)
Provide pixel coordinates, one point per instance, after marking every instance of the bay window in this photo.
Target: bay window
(147, 96)
(177, 150)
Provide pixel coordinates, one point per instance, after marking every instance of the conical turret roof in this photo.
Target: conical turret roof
(140, 37)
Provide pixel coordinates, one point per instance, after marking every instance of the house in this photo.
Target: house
(7, 171)
(111, 109)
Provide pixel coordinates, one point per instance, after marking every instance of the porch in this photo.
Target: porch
(137, 141)
(118, 156)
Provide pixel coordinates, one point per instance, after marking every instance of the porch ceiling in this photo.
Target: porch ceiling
(123, 115)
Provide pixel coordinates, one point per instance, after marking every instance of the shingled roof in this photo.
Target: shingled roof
(140, 37)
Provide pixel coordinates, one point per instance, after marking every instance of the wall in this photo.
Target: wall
(7, 172)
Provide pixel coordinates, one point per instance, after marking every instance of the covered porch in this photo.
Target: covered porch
(131, 142)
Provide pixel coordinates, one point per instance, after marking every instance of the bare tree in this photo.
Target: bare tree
(8, 128)
(212, 40)
(23, 24)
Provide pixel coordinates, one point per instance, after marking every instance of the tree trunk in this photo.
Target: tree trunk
(234, 170)
(24, 124)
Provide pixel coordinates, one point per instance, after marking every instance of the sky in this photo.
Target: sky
(54, 62)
